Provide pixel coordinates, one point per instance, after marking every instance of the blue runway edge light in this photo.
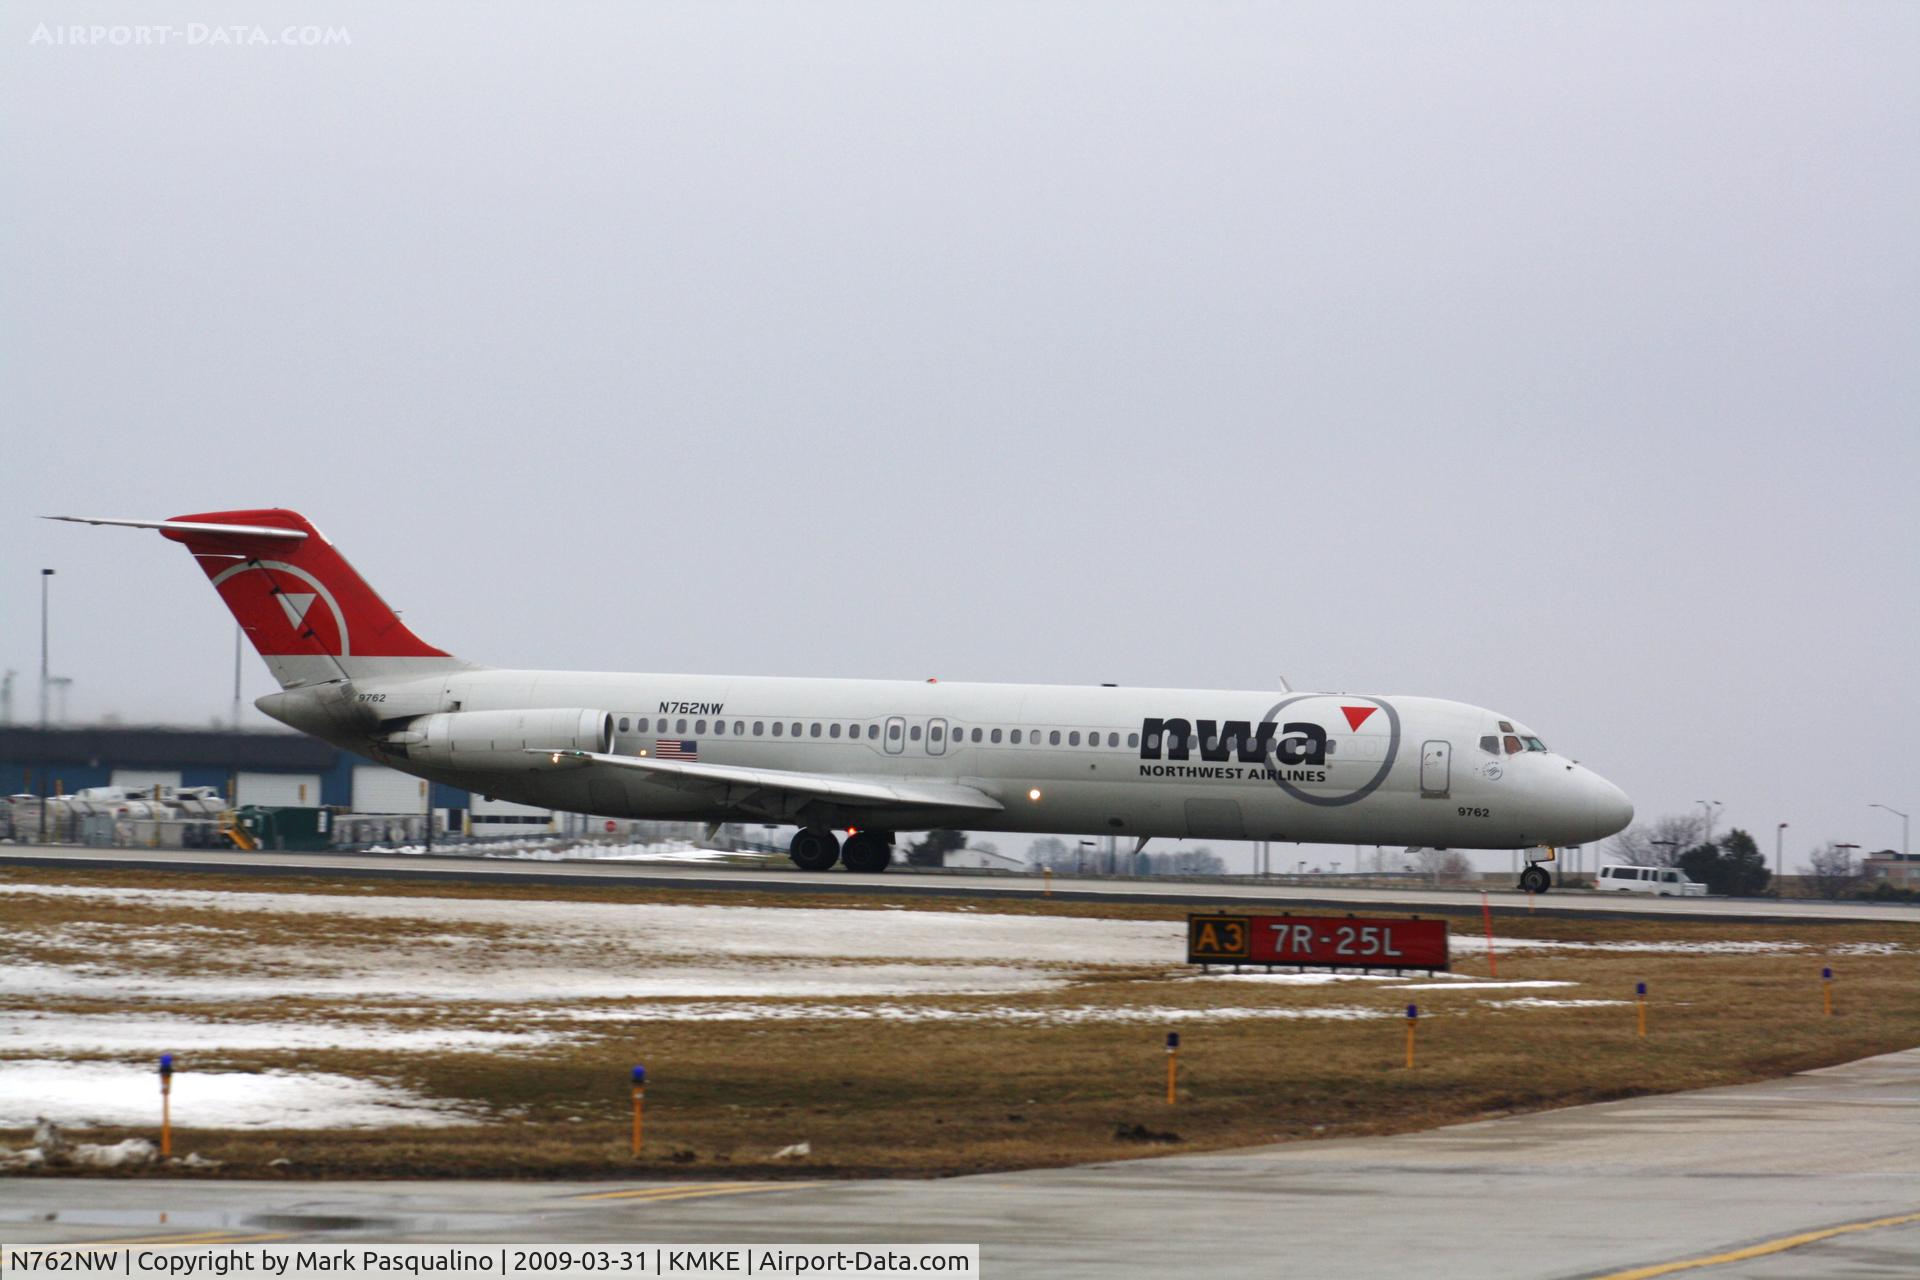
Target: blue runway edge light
(1639, 988)
(1173, 1039)
(639, 1075)
(1827, 974)
(166, 1064)
(1413, 1011)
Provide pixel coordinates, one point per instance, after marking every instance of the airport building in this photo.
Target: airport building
(254, 768)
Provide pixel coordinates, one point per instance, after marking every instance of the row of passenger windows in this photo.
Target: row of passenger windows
(871, 732)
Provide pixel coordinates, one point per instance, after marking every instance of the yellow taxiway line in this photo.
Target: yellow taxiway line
(1761, 1250)
(185, 1239)
(692, 1191)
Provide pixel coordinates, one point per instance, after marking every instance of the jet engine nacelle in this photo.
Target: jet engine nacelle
(500, 739)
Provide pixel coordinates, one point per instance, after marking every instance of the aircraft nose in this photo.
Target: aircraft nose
(1608, 805)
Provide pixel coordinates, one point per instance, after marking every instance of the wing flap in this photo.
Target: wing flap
(867, 791)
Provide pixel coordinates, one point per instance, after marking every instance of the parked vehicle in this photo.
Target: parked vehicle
(1666, 882)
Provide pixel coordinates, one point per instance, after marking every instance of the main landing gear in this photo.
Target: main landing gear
(1535, 879)
(868, 852)
(816, 849)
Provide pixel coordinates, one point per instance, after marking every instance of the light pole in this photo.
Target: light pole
(1903, 824)
(1779, 862)
(1709, 807)
(45, 684)
(1669, 845)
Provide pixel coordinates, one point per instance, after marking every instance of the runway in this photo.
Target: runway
(1812, 1175)
(780, 878)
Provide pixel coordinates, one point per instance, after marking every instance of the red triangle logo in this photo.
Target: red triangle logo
(1357, 716)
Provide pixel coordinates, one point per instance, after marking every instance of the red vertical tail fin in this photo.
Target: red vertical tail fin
(307, 612)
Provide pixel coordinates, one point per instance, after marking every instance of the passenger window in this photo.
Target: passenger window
(833, 731)
(893, 733)
(663, 724)
(1513, 745)
(679, 726)
(1133, 739)
(759, 727)
(739, 727)
(873, 731)
(1490, 745)
(1153, 741)
(935, 733)
(1014, 737)
(913, 731)
(778, 728)
(994, 736)
(816, 728)
(1073, 739)
(699, 728)
(719, 726)
(1053, 739)
(1113, 739)
(853, 731)
(796, 728)
(623, 724)
(976, 735)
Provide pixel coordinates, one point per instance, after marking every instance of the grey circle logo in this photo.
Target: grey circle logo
(1352, 797)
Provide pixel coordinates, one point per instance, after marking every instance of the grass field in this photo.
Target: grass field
(911, 1037)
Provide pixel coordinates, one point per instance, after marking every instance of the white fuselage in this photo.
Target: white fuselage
(1087, 760)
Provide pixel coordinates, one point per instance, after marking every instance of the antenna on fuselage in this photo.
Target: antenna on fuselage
(1285, 685)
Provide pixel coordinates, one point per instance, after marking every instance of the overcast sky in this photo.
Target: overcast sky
(1561, 358)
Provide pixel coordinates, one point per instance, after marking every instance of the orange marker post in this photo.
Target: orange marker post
(166, 1105)
(1173, 1065)
(1640, 1006)
(639, 1100)
(1047, 878)
(1826, 990)
(1486, 914)
(1413, 1016)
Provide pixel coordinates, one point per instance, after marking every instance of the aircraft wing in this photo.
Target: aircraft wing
(866, 792)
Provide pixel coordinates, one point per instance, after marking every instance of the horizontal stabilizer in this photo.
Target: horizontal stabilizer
(193, 526)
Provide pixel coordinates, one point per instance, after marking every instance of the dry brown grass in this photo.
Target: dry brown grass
(930, 1098)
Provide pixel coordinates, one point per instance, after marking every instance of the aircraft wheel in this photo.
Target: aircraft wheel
(1535, 880)
(867, 853)
(814, 850)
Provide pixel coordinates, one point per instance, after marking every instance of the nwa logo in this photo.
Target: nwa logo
(1276, 750)
(1300, 743)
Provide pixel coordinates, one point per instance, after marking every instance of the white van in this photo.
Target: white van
(1668, 882)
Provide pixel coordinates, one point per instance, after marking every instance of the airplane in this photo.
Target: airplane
(873, 757)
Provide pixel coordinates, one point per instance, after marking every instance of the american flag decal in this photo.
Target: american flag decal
(676, 749)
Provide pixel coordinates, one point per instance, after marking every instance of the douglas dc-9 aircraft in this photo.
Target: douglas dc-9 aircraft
(871, 757)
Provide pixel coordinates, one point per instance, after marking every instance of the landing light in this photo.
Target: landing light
(1034, 794)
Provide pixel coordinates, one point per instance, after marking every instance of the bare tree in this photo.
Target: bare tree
(1052, 852)
(1442, 864)
(1833, 871)
(1658, 843)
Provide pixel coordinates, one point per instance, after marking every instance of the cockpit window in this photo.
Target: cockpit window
(1506, 726)
(1513, 745)
(1534, 744)
(1490, 745)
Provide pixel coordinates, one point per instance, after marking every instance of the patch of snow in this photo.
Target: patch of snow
(90, 1094)
(1541, 1002)
(406, 979)
(743, 1011)
(1311, 978)
(1477, 985)
(709, 931)
(1470, 943)
(25, 1031)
